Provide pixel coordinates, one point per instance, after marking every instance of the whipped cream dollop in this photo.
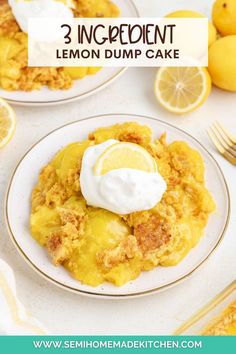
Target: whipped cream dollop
(122, 191)
(25, 9)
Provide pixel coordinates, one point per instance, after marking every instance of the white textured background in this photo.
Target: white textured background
(66, 313)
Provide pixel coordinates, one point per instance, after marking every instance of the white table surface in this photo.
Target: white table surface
(66, 313)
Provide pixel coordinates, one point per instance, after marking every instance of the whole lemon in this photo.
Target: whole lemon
(212, 34)
(224, 16)
(222, 63)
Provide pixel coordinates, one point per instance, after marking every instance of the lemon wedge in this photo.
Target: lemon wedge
(124, 155)
(182, 89)
(7, 122)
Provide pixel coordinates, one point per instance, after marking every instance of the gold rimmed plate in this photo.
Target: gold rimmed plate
(81, 88)
(160, 278)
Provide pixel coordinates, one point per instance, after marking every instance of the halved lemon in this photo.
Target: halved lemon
(182, 89)
(7, 122)
(124, 155)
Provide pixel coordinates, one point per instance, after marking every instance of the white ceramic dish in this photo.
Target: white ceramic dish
(81, 88)
(26, 175)
(14, 319)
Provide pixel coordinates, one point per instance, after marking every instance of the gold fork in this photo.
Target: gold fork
(224, 141)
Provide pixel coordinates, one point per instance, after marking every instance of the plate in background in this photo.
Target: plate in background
(81, 88)
(207, 315)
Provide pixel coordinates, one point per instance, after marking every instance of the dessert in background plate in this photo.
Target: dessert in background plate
(97, 245)
(14, 72)
(217, 318)
(224, 324)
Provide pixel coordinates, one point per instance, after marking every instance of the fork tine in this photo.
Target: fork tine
(215, 141)
(223, 136)
(229, 136)
(230, 158)
(223, 142)
(221, 150)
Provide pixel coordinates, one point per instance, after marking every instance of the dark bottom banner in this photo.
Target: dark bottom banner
(116, 344)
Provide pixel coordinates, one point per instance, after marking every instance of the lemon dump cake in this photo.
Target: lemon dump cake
(14, 72)
(98, 244)
(224, 324)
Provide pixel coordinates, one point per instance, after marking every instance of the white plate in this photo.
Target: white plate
(81, 88)
(26, 175)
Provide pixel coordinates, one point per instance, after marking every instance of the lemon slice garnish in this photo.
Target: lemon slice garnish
(124, 155)
(7, 122)
(182, 89)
